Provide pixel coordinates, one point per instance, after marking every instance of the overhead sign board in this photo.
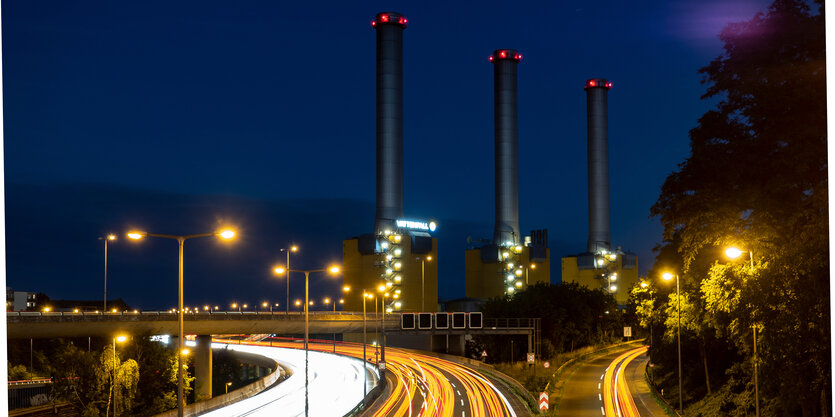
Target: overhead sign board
(416, 225)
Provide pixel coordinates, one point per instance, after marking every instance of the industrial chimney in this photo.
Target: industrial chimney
(597, 90)
(389, 26)
(507, 144)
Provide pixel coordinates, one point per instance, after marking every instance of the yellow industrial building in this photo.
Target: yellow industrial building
(404, 263)
(500, 270)
(612, 272)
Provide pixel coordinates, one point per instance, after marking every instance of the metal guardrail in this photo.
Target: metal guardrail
(24, 382)
(188, 313)
(508, 323)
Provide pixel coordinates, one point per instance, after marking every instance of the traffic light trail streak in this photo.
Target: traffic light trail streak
(617, 399)
(423, 386)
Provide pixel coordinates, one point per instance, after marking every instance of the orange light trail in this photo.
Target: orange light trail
(617, 399)
(416, 373)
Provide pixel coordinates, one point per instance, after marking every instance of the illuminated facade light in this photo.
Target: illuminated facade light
(518, 283)
(510, 277)
(389, 271)
(397, 265)
(397, 278)
(518, 248)
(397, 252)
(510, 290)
(384, 245)
(518, 272)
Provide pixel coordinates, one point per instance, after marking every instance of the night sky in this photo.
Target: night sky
(179, 117)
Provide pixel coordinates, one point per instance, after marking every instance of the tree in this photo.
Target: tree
(157, 385)
(757, 178)
(120, 377)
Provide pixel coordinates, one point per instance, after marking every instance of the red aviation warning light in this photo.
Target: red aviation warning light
(505, 54)
(389, 18)
(598, 82)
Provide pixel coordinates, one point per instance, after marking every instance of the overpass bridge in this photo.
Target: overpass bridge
(416, 330)
(25, 325)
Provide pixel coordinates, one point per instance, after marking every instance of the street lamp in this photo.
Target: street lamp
(333, 270)
(106, 239)
(733, 253)
(225, 234)
(365, 296)
(119, 339)
(668, 276)
(227, 385)
(422, 280)
(293, 249)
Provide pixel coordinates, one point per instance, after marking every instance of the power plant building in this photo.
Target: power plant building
(398, 261)
(510, 262)
(600, 267)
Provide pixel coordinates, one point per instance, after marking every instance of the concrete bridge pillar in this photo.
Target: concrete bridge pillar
(203, 368)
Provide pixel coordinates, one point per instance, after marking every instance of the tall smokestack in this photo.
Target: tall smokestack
(389, 27)
(597, 97)
(507, 145)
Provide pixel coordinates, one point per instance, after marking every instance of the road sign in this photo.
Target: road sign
(483, 353)
(382, 365)
(531, 358)
(543, 401)
(627, 332)
(546, 364)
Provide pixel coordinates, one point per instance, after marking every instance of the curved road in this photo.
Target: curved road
(421, 385)
(583, 395)
(335, 385)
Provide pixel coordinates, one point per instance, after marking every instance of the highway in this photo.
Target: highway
(617, 398)
(421, 385)
(585, 387)
(335, 386)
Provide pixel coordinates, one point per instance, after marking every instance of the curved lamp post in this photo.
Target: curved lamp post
(225, 234)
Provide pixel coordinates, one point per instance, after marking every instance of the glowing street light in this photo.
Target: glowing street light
(294, 249)
(119, 339)
(423, 261)
(109, 238)
(733, 253)
(225, 234)
(667, 276)
(333, 270)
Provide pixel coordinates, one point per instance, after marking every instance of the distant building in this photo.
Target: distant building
(20, 300)
(613, 272)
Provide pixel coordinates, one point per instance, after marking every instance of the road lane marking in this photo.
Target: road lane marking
(598, 385)
(459, 392)
(599, 397)
(462, 403)
(602, 412)
(602, 375)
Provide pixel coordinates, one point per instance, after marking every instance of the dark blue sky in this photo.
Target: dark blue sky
(176, 117)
